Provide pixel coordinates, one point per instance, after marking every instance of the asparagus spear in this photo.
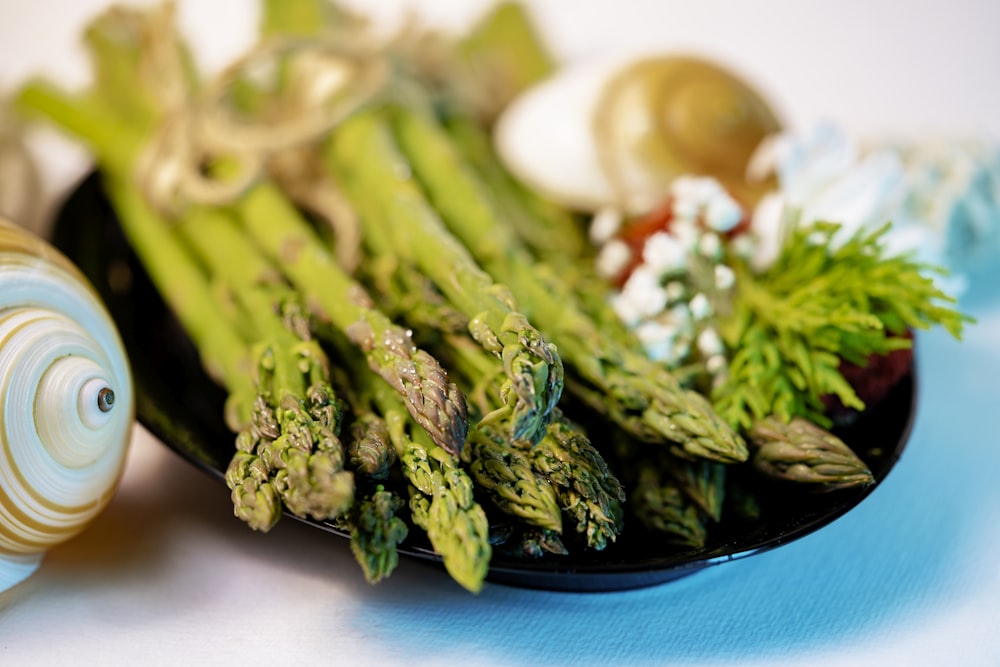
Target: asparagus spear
(504, 48)
(499, 469)
(306, 18)
(376, 530)
(282, 233)
(522, 541)
(662, 507)
(224, 354)
(369, 451)
(375, 522)
(585, 489)
(802, 452)
(456, 525)
(374, 527)
(297, 416)
(289, 454)
(441, 501)
(113, 118)
(512, 484)
(117, 131)
(653, 477)
(640, 395)
(297, 447)
(552, 236)
(704, 482)
(405, 293)
(369, 168)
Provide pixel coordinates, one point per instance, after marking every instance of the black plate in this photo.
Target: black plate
(182, 407)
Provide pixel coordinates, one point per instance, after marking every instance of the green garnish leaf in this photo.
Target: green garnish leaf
(822, 302)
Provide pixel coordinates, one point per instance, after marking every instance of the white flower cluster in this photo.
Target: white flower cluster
(943, 198)
(670, 314)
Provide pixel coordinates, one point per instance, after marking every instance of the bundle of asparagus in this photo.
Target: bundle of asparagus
(404, 373)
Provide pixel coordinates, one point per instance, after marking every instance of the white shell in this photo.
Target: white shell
(545, 135)
(61, 453)
(618, 130)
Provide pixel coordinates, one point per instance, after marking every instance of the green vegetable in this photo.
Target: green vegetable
(290, 446)
(528, 542)
(664, 508)
(506, 474)
(504, 48)
(373, 174)
(377, 521)
(408, 295)
(442, 499)
(224, 354)
(587, 491)
(281, 232)
(296, 416)
(819, 303)
(641, 396)
(376, 530)
(272, 464)
(294, 461)
(668, 493)
(801, 452)
(704, 482)
(549, 233)
(305, 18)
(441, 495)
(471, 267)
(370, 450)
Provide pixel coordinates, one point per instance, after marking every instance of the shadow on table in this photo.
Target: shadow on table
(875, 568)
(152, 540)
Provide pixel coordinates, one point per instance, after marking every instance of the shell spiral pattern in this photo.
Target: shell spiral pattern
(662, 117)
(66, 402)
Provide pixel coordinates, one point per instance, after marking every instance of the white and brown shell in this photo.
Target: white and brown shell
(618, 130)
(66, 402)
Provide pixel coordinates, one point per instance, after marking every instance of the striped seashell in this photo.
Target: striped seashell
(66, 402)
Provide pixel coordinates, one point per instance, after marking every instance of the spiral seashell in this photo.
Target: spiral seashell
(66, 402)
(617, 131)
(668, 116)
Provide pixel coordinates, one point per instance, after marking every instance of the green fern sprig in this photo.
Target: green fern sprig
(822, 301)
